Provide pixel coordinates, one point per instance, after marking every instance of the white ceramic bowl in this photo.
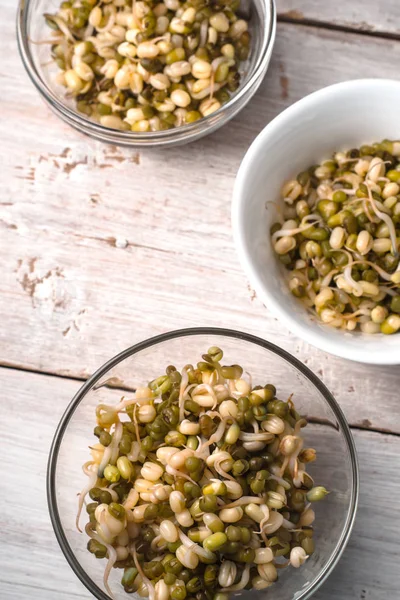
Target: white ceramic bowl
(341, 116)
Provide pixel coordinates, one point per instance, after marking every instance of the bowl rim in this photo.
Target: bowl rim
(182, 134)
(180, 333)
(311, 335)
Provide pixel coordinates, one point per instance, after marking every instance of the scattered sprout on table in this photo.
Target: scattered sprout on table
(198, 485)
(149, 66)
(339, 237)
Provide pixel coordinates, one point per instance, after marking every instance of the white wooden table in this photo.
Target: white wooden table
(102, 247)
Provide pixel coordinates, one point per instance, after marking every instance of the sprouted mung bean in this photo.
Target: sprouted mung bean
(339, 237)
(148, 65)
(198, 485)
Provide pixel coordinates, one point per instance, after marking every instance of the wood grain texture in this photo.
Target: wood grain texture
(373, 17)
(103, 247)
(32, 566)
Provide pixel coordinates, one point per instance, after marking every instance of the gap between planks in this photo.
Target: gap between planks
(11, 367)
(291, 19)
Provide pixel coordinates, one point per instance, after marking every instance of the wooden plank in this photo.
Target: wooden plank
(355, 576)
(103, 247)
(373, 17)
(32, 565)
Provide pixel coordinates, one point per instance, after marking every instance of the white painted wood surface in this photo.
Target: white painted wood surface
(103, 247)
(378, 17)
(100, 246)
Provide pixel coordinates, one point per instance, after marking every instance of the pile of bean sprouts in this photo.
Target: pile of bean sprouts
(198, 485)
(339, 237)
(148, 66)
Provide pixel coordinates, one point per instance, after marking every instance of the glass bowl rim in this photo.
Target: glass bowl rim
(181, 333)
(205, 124)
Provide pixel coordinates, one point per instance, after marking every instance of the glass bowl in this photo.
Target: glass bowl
(31, 29)
(336, 466)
